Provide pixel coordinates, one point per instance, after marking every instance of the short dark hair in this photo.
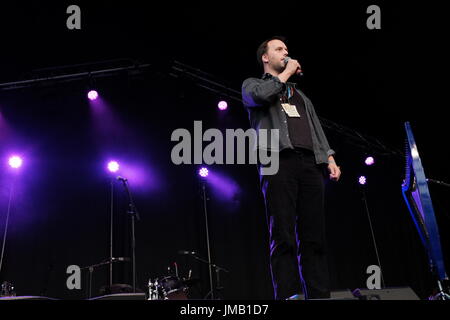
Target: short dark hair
(262, 49)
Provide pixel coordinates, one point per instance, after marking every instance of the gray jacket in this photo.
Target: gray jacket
(261, 98)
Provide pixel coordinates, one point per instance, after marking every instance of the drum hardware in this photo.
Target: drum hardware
(167, 288)
(7, 289)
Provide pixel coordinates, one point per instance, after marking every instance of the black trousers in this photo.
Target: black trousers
(294, 201)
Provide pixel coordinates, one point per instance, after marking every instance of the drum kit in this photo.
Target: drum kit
(172, 287)
(168, 288)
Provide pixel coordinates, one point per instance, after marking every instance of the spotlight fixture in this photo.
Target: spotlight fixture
(92, 95)
(15, 162)
(113, 166)
(362, 180)
(203, 172)
(369, 161)
(222, 105)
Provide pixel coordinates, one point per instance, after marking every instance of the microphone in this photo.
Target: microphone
(124, 180)
(187, 252)
(298, 72)
(121, 259)
(438, 182)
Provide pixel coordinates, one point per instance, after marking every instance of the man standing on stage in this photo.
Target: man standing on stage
(294, 196)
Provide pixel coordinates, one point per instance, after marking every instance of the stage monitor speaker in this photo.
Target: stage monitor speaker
(121, 296)
(334, 295)
(26, 298)
(400, 293)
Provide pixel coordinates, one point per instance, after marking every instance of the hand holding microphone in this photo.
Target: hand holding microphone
(293, 66)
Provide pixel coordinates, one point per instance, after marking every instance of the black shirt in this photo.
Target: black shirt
(299, 130)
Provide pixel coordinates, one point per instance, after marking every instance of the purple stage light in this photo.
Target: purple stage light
(362, 180)
(15, 162)
(223, 105)
(369, 161)
(224, 187)
(203, 172)
(113, 166)
(92, 95)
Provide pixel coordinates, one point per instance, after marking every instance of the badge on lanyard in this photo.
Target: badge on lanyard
(290, 109)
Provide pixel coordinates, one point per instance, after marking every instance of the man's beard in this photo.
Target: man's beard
(279, 67)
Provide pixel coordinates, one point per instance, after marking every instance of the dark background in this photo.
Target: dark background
(368, 80)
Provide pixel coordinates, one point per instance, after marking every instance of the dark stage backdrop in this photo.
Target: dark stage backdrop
(371, 81)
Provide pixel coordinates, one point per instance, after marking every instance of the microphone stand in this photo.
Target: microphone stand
(217, 269)
(207, 241)
(91, 271)
(111, 234)
(441, 183)
(8, 212)
(97, 265)
(441, 295)
(364, 198)
(209, 261)
(111, 259)
(134, 215)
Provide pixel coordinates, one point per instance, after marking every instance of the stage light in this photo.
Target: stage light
(92, 95)
(113, 166)
(369, 161)
(15, 162)
(362, 180)
(203, 172)
(223, 105)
